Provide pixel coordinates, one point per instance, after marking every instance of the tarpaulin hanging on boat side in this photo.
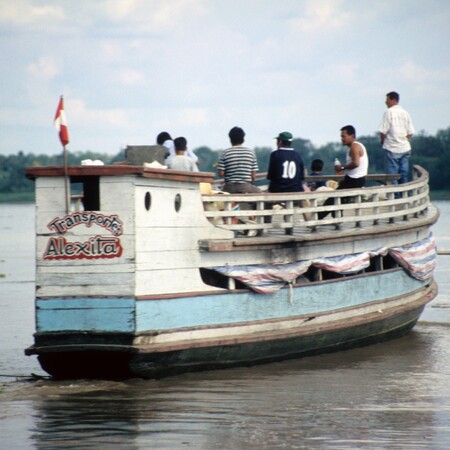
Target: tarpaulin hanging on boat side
(419, 259)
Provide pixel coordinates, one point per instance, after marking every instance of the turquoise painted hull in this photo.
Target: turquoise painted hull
(126, 315)
(102, 337)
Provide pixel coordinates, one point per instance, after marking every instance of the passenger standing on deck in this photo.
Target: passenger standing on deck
(238, 165)
(286, 171)
(165, 140)
(181, 161)
(396, 130)
(356, 164)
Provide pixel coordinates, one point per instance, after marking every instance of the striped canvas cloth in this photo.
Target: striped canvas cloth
(419, 259)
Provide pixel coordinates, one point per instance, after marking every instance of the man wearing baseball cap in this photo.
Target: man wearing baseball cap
(286, 169)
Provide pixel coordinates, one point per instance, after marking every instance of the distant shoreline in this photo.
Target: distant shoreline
(17, 197)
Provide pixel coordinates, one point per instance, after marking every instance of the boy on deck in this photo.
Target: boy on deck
(316, 169)
(180, 161)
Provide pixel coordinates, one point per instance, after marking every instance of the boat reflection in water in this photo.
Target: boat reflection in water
(152, 277)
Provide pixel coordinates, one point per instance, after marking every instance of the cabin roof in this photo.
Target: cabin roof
(117, 170)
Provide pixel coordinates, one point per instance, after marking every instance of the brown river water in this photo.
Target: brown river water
(386, 396)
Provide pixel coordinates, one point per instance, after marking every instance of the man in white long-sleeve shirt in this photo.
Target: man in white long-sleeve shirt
(165, 140)
(396, 130)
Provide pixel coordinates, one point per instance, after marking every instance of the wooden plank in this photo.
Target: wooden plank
(83, 266)
(166, 239)
(380, 178)
(77, 279)
(50, 194)
(166, 281)
(83, 290)
(168, 259)
(97, 315)
(86, 303)
(117, 170)
(199, 177)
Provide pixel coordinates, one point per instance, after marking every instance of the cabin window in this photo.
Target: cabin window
(85, 193)
(376, 264)
(328, 275)
(313, 274)
(389, 262)
(76, 196)
(216, 279)
(302, 279)
(91, 193)
(177, 202)
(148, 201)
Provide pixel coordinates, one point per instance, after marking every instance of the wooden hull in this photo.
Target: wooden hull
(116, 365)
(121, 355)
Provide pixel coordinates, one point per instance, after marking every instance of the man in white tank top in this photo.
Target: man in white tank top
(357, 161)
(355, 167)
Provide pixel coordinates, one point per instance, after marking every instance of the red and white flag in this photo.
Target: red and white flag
(61, 123)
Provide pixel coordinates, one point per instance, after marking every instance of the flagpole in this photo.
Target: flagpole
(61, 126)
(66, 181)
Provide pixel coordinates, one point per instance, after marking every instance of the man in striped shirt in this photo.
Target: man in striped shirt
(238, 165)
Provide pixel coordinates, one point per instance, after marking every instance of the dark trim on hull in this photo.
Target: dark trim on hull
(116, 365)
(195, 359)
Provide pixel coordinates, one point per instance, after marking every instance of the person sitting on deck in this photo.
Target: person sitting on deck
(238, 165)
(180, 161)
(165, 140)
(316, 170)
(286, 171)
(356, 165)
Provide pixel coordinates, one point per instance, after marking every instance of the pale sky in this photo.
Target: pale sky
(129, 69)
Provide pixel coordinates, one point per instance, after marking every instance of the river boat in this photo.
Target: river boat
(147, 275)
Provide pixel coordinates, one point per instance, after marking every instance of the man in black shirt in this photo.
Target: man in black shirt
(286, 169)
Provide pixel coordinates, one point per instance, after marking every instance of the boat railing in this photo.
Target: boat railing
(257, 214)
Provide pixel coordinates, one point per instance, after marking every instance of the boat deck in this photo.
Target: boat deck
(274, 219)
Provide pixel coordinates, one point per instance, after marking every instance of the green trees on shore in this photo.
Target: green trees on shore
(431, 152)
